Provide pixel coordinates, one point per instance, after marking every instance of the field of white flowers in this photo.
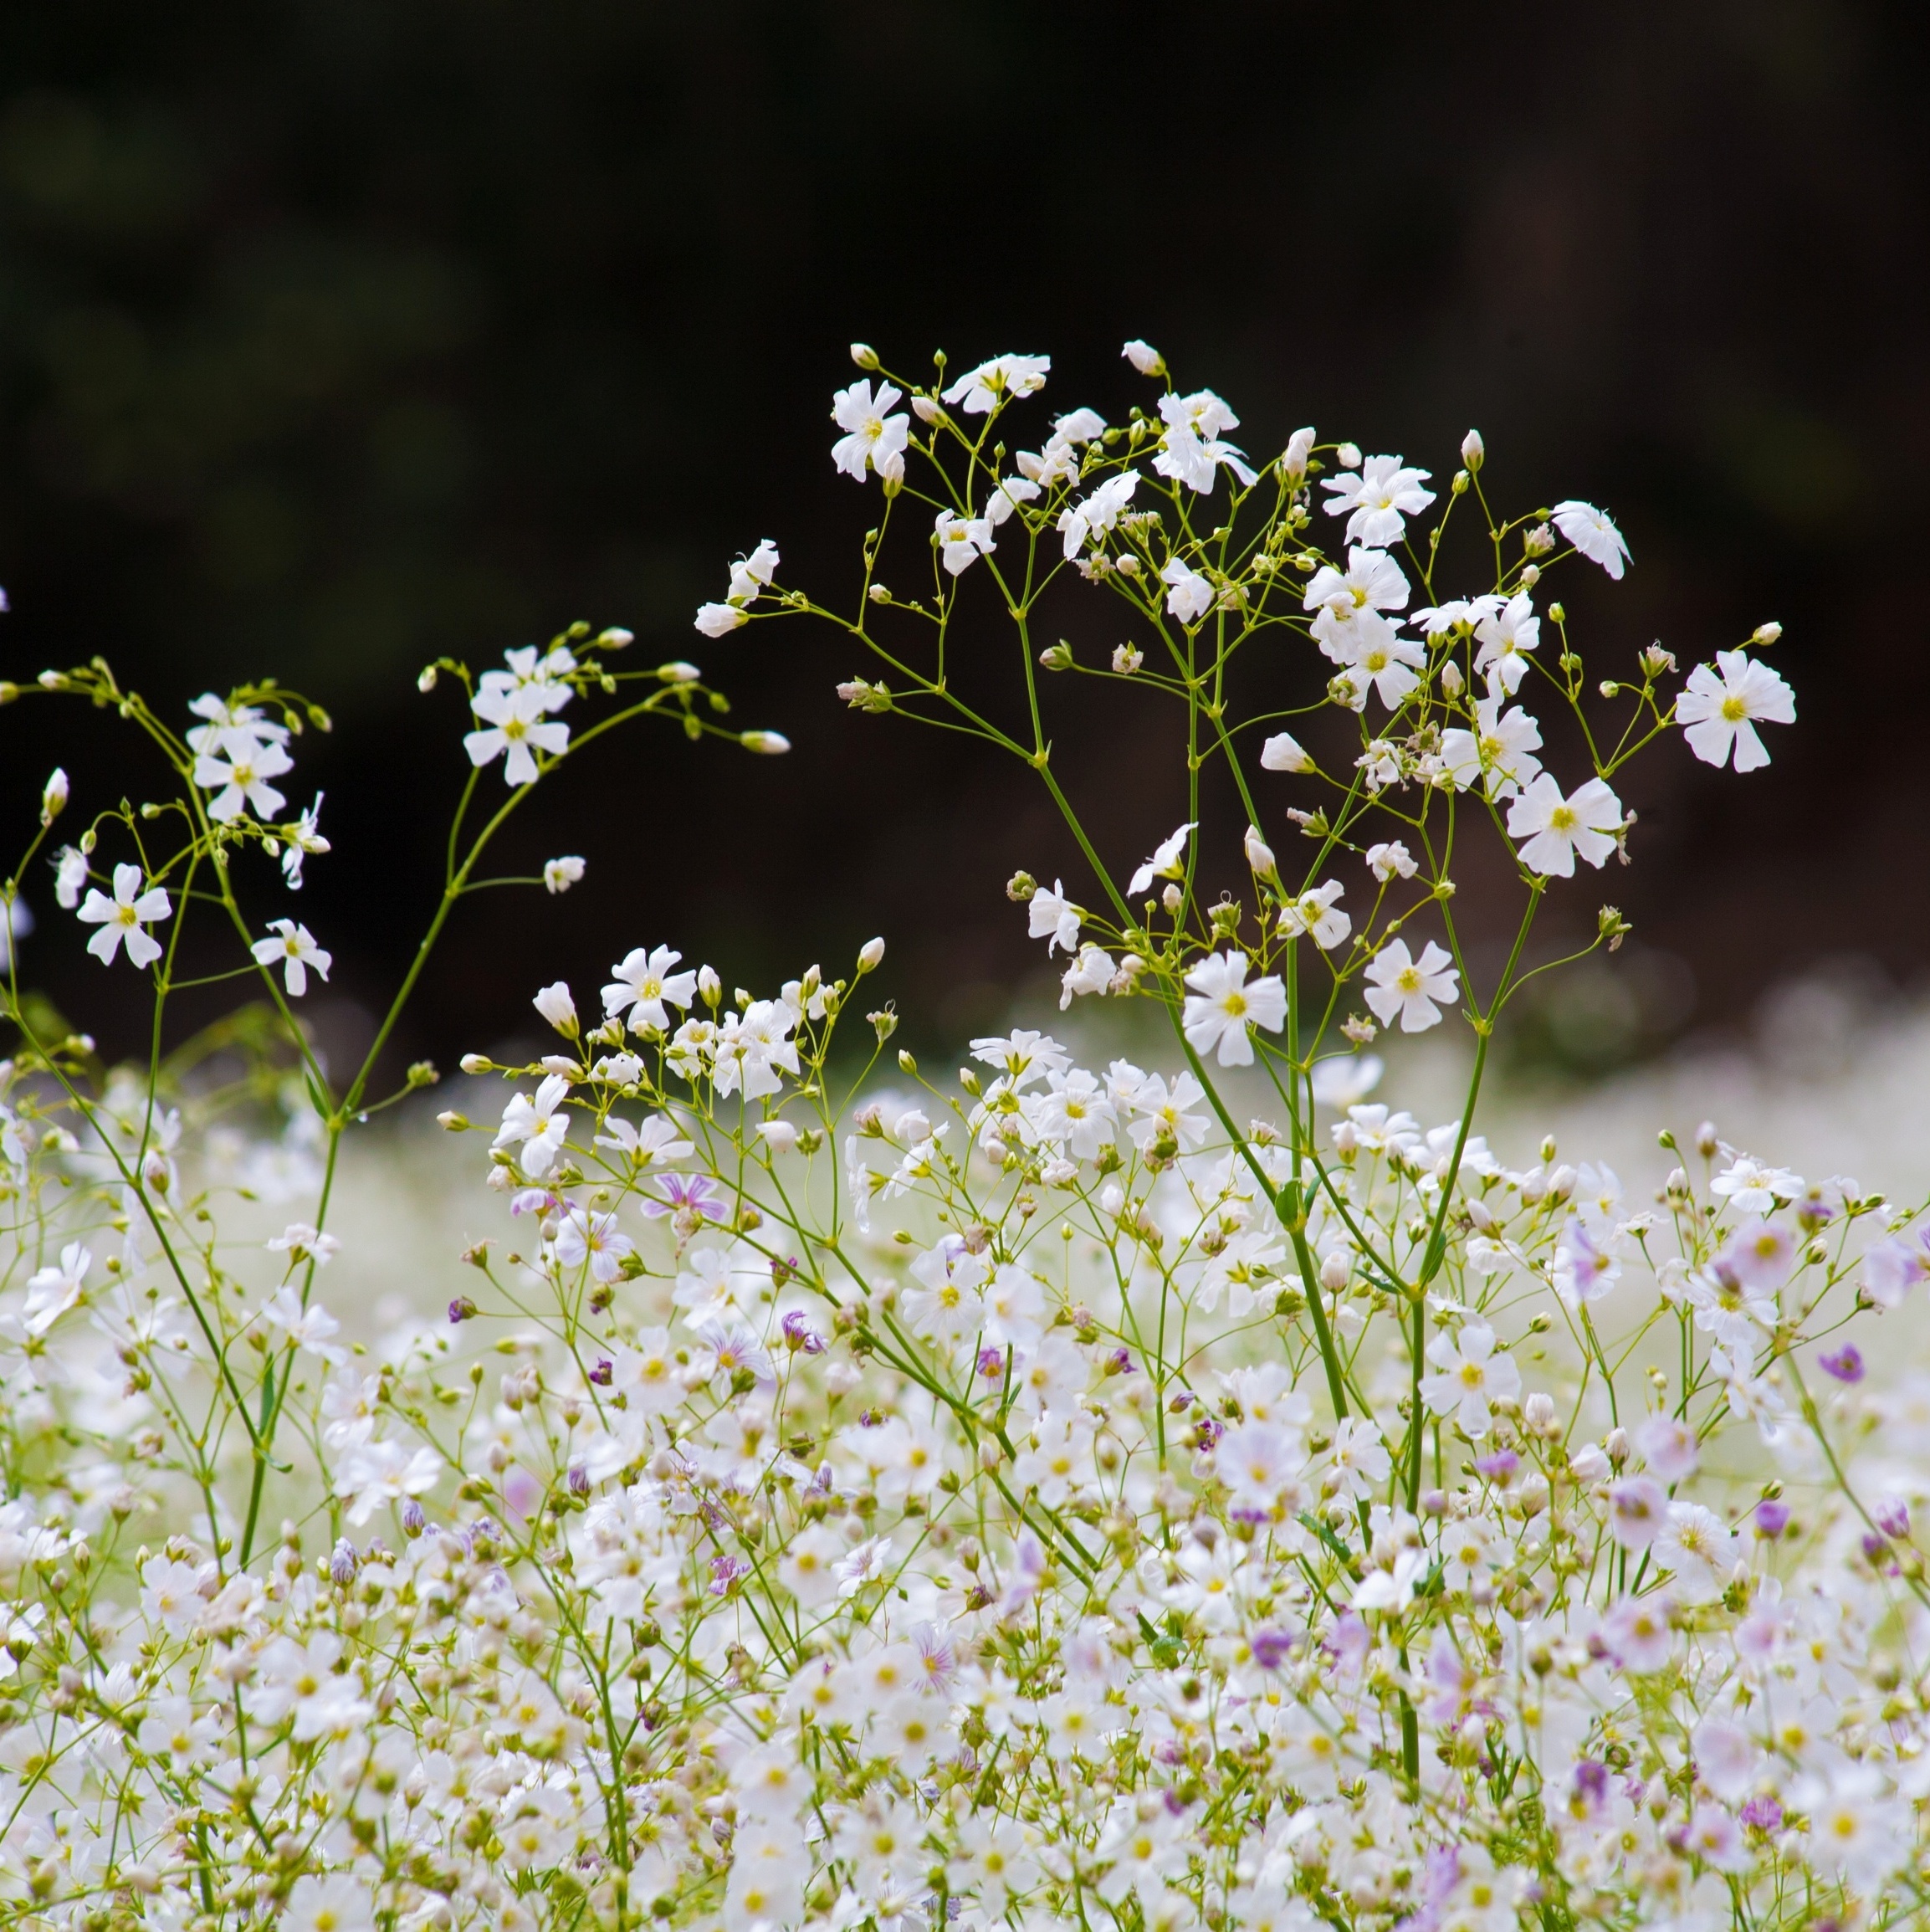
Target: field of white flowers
(730, 1473)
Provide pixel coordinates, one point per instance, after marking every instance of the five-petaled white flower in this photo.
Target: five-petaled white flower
(1222, 1004)
(538, 1125)
(1098, 513)
(1317, 914)
(1504, 635)
(238, 777)
(1376, 498)
(559, 874)
(873, 438)
(1414, 990)
(294, 948)
(125, 916)
(962, 541)
(1721, 715)
(1556, 828)
(517, 721)
(1468, 1376)
(644, 984)
(1499, 751)
(1593, 535)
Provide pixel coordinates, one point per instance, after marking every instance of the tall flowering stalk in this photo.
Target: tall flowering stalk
(1031, 1497)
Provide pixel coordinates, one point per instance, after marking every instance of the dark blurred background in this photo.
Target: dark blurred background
(339, 334)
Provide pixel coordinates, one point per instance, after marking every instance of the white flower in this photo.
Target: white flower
(1414, 989)
(1593, 535)
(1468, 1376)
(300, 1242)
(1376, 498)
(1753, 1186)
(1189, 596)
(376, 1473)
(1499, 751)
(1144, 357)
(1372, 580)
(1505, 636)
(749, 576)
(1098, 513)
(340, 1902)
(1282, 752)
(1054, 916)
(538, 1125)
(302, 839)
(1556, 828)
(1091, 972)
(559, 874)
(294, 948)
(55, 1289)
(1006, 495)
(720, 620)
(1165, 862)
(1222, 1004)
(644, 984)
(1390, 861)
(307, 1328)
(555, 1005)
(1193, 447)
(69, 876)
(592, 1238)
(1719, 717)
(981, 390)
(962, 541)
(239, 779)
(1317, 914)
(874, 439)
(516, 721)
(125, 916)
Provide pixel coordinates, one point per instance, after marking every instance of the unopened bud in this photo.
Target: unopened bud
(1473, 450)
(426, 680)
(616, 637)
(864, 355)
(871, 955)
(476, 1063)
(454, 1122)
(53, 797)
(1707, 1141)
(769, 744)
(1765, 633)
(1259, 854)
(678, 671)
(709, 988)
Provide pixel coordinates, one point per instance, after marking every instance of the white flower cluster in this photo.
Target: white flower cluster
(1030, 1498)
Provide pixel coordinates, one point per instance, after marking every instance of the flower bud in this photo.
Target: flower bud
(1334, 1271)
(1473, 450)
(1057, 657)
(771, 743)
(926, 409)
(1451, 682)
(616, 637)
(1144, 357)
(1348, 455)
(870, 955)
(1461, 479)
(53, 797)
(555, 1004)
(780, 1136)
(1021, 886)
(1765, 633)
(709, 988)
(1172, 899)
(475, 1064)
(1707, 1141)
(454, 1122)
(678, 672)
(1259, 854)
(426, 681)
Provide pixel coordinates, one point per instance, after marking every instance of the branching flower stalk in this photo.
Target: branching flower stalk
(842, 1497)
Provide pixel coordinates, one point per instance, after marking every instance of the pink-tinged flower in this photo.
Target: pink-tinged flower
(696, 1195)
(1638, 1634)
(1844, 1365)
(1638, 1511)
